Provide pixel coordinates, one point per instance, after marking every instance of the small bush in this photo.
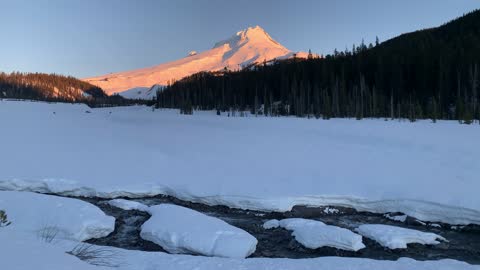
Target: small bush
(99, 256)
(4, 219)
(48, 233)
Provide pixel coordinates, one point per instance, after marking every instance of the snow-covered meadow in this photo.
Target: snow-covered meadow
(425, 170)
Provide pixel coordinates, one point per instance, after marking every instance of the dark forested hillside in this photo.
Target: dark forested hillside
(51, 87)
(431, 73)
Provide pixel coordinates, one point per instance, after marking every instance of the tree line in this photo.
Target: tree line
(432, 73)
(55, 88)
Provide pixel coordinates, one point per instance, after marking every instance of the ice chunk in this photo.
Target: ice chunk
(128, 205)
(397, 237)
(181, 230)
(400, 218)
(315, 234)
(330, 210)
(271, 224)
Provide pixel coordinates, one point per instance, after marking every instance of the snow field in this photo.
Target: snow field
(269, 164)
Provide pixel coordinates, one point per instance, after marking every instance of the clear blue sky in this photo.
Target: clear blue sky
(94, 37)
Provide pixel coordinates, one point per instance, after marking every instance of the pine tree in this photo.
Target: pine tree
(266, 104)
(433, 111)
(4, 219)
(255, 104)
(474, 86)
(392, 116)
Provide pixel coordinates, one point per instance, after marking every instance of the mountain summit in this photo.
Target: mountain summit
(250, 46)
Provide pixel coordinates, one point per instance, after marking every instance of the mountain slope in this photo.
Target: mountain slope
(252, 45)
(47, 87)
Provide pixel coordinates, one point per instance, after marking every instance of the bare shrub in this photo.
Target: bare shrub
(48, 233)
(99, 256)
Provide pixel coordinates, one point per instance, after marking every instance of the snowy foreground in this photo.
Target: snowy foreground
(22, 248)
(428, 171)
(24, 253)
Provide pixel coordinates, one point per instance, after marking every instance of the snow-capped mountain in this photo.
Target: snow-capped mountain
(249, 46)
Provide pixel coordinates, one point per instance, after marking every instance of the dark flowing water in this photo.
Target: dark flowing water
(463, 245)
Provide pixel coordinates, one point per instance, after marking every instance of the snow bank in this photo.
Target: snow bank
(65, 217)
(20, 251)
(181, 230)
(128, 205)
(397, 237)
(315, 234)
(366, 164)
(137, 260)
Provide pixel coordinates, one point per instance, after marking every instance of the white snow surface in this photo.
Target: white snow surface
(316, 234)
(21, 251)
(137, 260)
(396, 237)
(128, 205)
(147, 93)
(68, 218)
(269, 164)
(138, 93)
(181, 230)
(249, 46)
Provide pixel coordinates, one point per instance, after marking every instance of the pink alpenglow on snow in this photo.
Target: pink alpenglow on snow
(250, 46)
